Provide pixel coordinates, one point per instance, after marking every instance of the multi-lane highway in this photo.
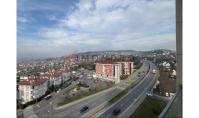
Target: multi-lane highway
(46, 109)
(131, 97)
(73, 110)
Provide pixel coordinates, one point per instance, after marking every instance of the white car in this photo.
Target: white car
(58, 90)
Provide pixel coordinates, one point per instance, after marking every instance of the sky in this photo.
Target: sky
(50, 28)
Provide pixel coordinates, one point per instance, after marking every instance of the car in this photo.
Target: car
(85, 108)
(47, 97)
(116, 112)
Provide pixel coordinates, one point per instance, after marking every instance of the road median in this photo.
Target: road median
(83, 98)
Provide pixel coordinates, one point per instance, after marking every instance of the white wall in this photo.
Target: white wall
(40, 90)
(57, 80)
(27, 93)
(66, 76)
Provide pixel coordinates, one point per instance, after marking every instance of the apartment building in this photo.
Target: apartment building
(32, 88)
(112, 71)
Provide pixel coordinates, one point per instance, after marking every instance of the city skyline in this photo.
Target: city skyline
(54, 28)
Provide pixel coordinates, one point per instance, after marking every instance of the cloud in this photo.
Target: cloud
(160, 41)
(126, 16)
(22, 19)
(108, 24)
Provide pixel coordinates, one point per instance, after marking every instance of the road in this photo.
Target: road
(131, 97)
(44, 105)
(74, 110)
(45, 108)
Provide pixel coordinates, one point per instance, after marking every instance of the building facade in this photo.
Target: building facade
(32, 88)
(112, 71)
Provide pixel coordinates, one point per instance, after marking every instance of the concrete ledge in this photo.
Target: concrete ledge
(169, 105)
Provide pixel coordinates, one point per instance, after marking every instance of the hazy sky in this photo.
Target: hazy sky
(56, 27)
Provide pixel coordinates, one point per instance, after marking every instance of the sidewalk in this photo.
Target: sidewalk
(29, 113)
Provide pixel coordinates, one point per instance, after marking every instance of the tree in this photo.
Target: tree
(135, 59)
(122, 77)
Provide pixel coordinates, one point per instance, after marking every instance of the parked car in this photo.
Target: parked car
(116, 112)
(47, 97)
(85, 108)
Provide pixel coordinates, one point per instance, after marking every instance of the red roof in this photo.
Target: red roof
(48, 75)
(107, 62)
(55, 73)
(113, 62)
(33, 81)
(124, 61)
(42, 78)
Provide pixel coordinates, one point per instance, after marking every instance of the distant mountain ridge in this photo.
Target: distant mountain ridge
(122, 52)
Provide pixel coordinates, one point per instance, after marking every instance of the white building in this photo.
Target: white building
(173, 73)
(57, 80)
(166, 65)
(57, 77)
(117, 73)
(32, 88)
(66, 76)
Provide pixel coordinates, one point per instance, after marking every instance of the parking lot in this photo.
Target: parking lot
(87, 83)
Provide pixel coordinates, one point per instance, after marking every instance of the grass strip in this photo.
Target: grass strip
(150, 108)
(69, 100)
(123, 92)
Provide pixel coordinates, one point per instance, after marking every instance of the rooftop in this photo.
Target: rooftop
(34, 81)
(112, 62)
